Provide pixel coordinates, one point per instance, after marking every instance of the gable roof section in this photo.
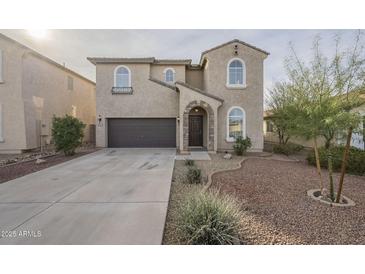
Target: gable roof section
(163, 83)
(46, 59)
(230, 42)
(199, 91)
(144, 60)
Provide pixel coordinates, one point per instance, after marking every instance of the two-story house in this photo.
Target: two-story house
(33, 88)
(149, 102)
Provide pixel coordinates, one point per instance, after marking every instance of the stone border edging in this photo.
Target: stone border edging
(349, 203)
(209, 183)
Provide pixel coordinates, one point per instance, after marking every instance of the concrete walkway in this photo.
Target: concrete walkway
(113, 196)
(195, 155)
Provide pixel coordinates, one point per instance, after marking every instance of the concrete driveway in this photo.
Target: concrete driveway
(113, 196)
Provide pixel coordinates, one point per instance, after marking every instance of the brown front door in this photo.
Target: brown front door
(195, 130)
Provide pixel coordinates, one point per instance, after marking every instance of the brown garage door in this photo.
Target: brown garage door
(146, 132)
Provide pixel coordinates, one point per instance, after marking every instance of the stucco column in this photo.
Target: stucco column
(181, 133)
(215, 129)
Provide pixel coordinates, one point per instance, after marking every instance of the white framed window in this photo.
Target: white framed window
(169, 75)
(122, 77)
(1, 67)
(236, 73)
(236, 123)
(70, 83)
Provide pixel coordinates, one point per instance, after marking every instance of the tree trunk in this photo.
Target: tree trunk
(318, 164)
(344, 164)
(330, 169)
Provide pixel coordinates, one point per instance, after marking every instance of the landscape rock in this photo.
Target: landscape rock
(40, 161)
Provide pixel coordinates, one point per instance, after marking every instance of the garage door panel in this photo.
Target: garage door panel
(138, 132)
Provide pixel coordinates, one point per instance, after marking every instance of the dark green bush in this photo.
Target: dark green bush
(193, 175)
(67, 133)
(206, 218)
(189, 162)
(287, 149)
(241, 145)
(356, 162)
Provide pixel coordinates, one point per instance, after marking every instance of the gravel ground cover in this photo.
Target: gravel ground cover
(13, 171)
(180, 190)
(277, 209)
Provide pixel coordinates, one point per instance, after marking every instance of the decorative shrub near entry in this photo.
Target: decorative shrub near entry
(193, 175)
(189, 162)
(241, 145)
(207, 218)
(67, 133)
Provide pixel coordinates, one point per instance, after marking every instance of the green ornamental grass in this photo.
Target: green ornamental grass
(208, 218)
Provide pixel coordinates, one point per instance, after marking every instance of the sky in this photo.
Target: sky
(72, 47)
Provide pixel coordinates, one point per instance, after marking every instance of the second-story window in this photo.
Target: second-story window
(169, 75)
(122, 77)
(236, 73)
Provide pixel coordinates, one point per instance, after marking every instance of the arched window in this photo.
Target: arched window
(169, 75)
(236, 123)
(236, 73)
(122, 77)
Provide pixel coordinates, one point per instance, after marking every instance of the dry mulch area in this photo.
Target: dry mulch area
(277, 209)
(14, 171)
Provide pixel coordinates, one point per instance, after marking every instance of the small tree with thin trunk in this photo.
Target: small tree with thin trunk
(278, 100)
(323, 92)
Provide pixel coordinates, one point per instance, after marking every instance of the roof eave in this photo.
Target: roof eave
(230, 42)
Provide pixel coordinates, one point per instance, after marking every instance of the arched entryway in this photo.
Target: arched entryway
(198, 126)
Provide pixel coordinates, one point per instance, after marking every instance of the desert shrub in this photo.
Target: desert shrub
(356, 161)
(241, 145)
(67, 133)
(287, 149)
(206, 218)
(193, 175)
(189, 162)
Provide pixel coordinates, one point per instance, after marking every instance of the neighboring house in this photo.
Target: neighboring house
(147, 102)
(33, 88)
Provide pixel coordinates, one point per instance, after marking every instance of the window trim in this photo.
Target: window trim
(129, 76)
(238, 86)
(230, 139)
(173, 75)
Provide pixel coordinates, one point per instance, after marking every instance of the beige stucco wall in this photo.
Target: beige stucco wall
(157, 72)
(149, 99)
(45, 82)
(13, 128)
(29, 80)
(195, 78)
(249, 98)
